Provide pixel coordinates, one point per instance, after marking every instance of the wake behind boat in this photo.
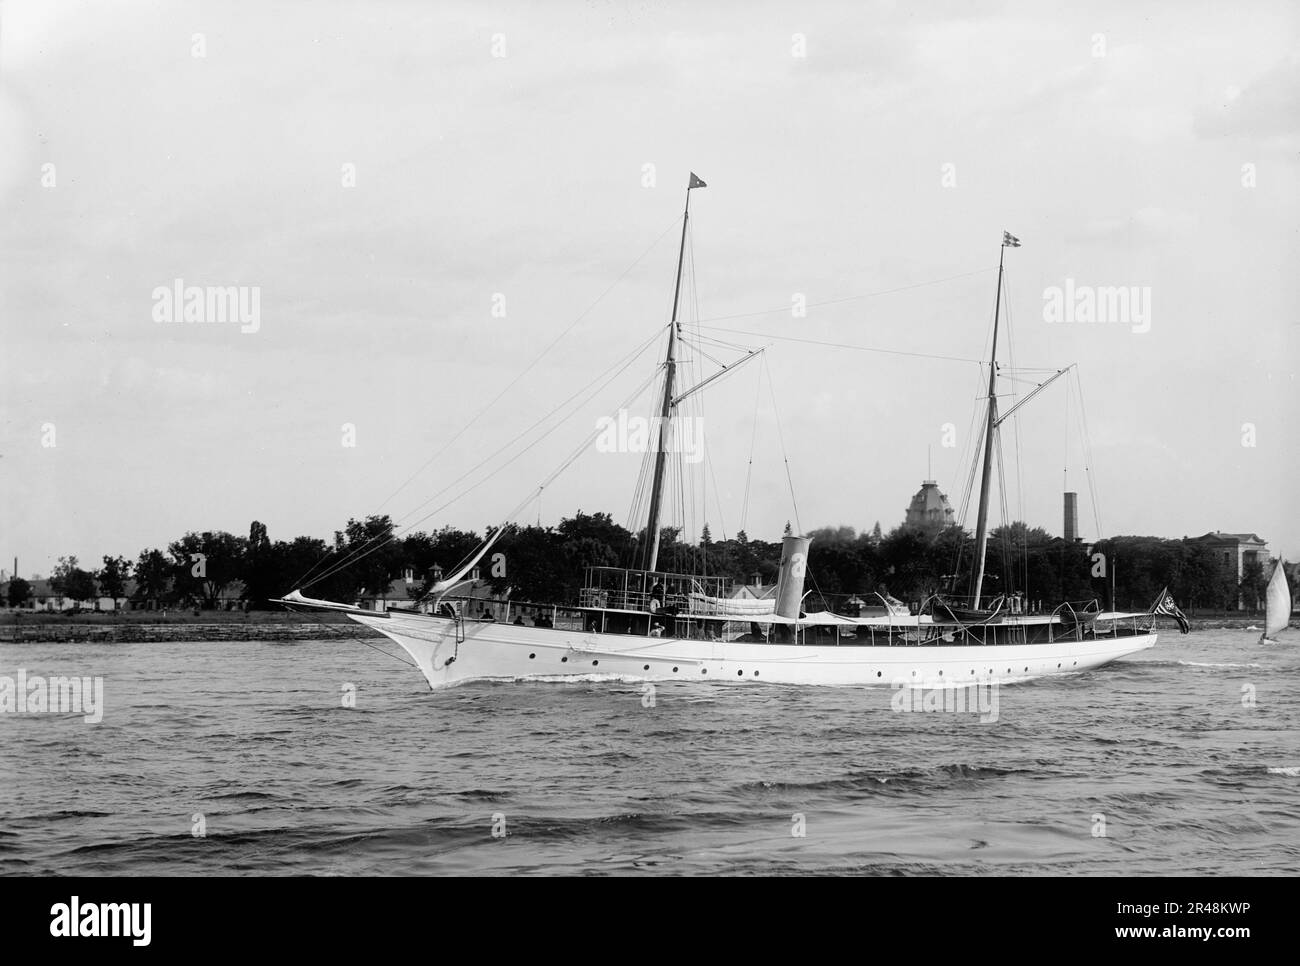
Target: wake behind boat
(647, 623)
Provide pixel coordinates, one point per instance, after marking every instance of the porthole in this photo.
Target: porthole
(1026, 669)
(564, 660)
(594, 663)
(878, 674)
(913, 674)
(531, 656)
(674, 670)
(740, 674)
(755, 674)
(704, 670)
(940, 674)
(646, 668)
(1075, 664)
(1058, 664)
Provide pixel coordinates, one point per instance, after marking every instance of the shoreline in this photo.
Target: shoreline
(143, 626)
(134, 627)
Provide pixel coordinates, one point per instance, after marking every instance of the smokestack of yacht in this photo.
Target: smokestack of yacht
(789, 585)
(1071, 517)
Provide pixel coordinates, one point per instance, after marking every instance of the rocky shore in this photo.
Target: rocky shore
(113, 629)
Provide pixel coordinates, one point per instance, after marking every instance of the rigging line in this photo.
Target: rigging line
(587, 441)
(974, 439)
(1022, 380)
(361, 552)
(990, 336)
(677, 476)
(717, 498)
(527, 369)
(1015, 425)
(818, 591)
(640, 494)
(1087, 440)
(689, 533)
(585, 312)
(518, 507)
(1003, 531)
(842, 345)
(784, 456)
(717, 362)
(707, 471)
(399, 660)
(850, 298)
(753, 440)
(537, 494)
(699, 336)
(627, 361)
(1065, 456)
(644, 485)
(977, 436)
(1003, 509)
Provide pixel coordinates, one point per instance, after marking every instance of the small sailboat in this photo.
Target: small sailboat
(649, 624)
(1277, 606)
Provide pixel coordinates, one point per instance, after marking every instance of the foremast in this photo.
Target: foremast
(666, 408)
(982, 520)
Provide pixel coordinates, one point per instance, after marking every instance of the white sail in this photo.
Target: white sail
(1277, 604)
(442, 586)
(296, 597)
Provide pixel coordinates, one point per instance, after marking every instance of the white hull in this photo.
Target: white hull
(511, 652)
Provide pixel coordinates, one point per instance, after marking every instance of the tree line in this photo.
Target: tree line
(547, 563)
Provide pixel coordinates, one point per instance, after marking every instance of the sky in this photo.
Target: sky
(457, 216)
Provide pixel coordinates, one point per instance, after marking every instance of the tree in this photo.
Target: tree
(292, 561)
(60, 575)
(1253, 583)
(447, 548)
(153, 577)
(81, 586)
(535, 567)
(909, 568)
(834, 567)
(258, 570)
(112, 577)
(20, 592)
(205, 564)
(544, 564)
(376, 556)
(69, 580)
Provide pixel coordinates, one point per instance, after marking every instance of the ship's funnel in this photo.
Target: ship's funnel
(789, 585)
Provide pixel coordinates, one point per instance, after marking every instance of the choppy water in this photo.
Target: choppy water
(254, 737)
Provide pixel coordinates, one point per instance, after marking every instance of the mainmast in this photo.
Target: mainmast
(981, 524)
(665, 412)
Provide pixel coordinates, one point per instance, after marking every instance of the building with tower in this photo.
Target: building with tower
(929, 509)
